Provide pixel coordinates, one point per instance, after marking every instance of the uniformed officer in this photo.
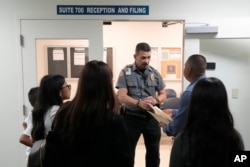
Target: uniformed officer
(139, 85)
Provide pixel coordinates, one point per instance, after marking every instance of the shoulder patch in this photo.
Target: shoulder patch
(121, 74)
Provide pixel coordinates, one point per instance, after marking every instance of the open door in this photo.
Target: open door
(68, 30)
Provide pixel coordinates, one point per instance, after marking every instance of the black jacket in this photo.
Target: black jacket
(109, 148)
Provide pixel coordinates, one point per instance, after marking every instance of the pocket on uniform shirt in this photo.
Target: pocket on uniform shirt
(133, 88)
(151, 83)
(152, 87)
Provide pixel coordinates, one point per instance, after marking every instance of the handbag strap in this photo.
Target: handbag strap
(42, 145)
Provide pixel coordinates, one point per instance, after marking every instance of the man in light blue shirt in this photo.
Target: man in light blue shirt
(194, 70)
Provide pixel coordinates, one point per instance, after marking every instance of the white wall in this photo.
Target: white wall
(232, 17)
(232, 67)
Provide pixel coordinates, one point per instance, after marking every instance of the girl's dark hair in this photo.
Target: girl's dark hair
(210, 126)
(48, 95)
(91, 107)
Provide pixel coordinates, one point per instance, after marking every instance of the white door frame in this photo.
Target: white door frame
(65, 29)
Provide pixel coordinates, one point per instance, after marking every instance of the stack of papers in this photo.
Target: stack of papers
(159, 115)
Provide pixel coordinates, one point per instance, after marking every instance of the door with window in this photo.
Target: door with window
(88, 35)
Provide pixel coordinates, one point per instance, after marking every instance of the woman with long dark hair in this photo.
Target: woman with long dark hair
(209, 136)
(87, 130)
(53, 90)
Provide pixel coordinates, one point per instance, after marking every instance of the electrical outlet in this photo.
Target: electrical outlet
(235, 93)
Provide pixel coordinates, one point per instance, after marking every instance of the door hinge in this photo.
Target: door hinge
(25, 111)
(21, 40)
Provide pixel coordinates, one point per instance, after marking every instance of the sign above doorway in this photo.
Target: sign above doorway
(102, 10)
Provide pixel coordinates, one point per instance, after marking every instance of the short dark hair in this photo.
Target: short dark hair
(142, 47)
(32, 95)
(199, 63)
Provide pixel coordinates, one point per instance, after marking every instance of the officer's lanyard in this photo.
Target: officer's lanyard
(145, 77)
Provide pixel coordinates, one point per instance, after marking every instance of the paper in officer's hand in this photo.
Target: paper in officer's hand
(159, 115)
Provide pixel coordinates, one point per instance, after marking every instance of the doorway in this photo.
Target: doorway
(55, 30)
(113, 43)
(165, 39)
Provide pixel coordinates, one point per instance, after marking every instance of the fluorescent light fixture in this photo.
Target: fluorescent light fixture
(202, 30)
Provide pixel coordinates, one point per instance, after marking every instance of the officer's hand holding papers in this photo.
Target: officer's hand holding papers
(159, 115)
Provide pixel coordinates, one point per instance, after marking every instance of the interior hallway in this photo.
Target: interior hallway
(165, 148)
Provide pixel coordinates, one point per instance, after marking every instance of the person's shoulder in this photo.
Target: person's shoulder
(57, 107)
(187, 92)
(28, 117)
(63, 109)
(154, 70)
(66, 105)
(53, 110)
(240, 141)
(127, 66)
(54, 107)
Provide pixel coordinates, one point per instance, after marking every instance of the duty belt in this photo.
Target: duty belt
(139, 113)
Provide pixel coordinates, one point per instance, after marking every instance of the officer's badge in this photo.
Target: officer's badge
(152, 77)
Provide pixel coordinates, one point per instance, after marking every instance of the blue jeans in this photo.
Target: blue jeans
(151, 132)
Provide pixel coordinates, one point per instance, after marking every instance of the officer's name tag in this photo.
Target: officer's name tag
(128, 71)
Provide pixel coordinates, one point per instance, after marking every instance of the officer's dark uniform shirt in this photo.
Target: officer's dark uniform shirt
(140, 84)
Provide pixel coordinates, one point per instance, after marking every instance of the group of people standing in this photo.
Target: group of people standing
(45, 100)
(89, 130)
